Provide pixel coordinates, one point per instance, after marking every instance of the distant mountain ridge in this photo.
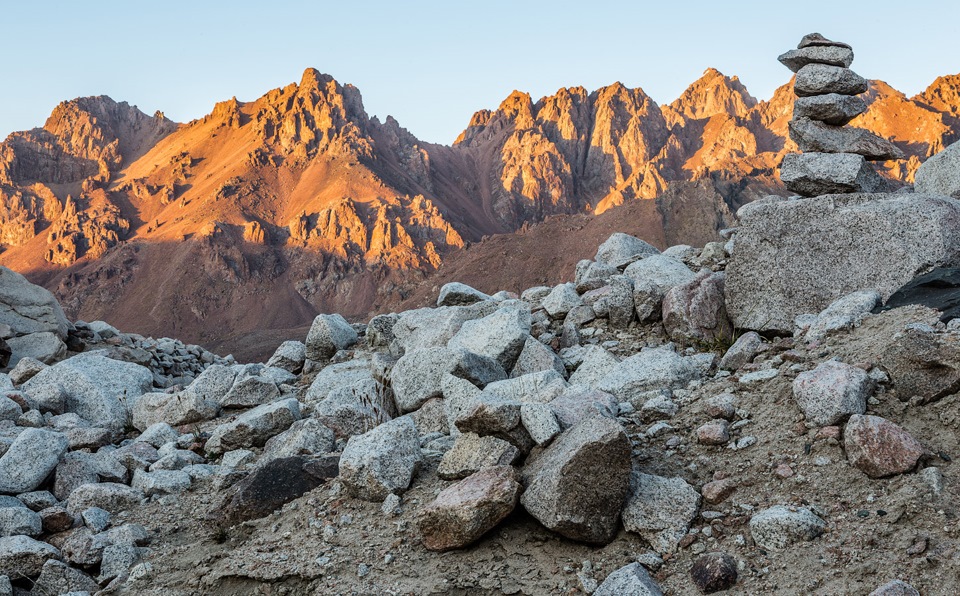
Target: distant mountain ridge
(299, 201)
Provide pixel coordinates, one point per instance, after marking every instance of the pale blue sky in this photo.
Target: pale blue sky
(431, 64)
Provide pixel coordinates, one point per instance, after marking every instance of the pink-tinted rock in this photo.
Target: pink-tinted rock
(464, 512)
(715, 432)
(696, 310)
(879, 447)
(783, 471)
(718, 490)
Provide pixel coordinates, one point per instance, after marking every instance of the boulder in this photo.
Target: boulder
(879, 447)
(30, 459)
(328, 334)
(578, 403)
(458, 294)
(214, 382)
(845, 313)
(815, 174)
(662, 271)
(354, 409)
(536, 387)
(99, 389)
(499, 336)
(561, 300)
(939, 175)
(796, 257)
(45, 346)
(540, 422)
(536, 357)
(381, 461)
(597, 363)
(59, 578)
(895, 588)
(110, 496)
(577, 486)
(714, 572)
(160, 482)
(778, 527)
(471, 452)
(696, 312)
(817, 137)
(290, 356)
(433, 327)
(19, 521)
(249, 390)
(650, 369)
(28, 308)
(832, 392)
(832, 108)
(815, 39)
(630, 580)
(465, 511)
(336, 376)
(176, 409)
(832, 55)
(742, 351)
(614, 301)
(22, 556)
(660, 510)
(820, 79)
(417, 375)
(305, 437)
(619, 250)
(254, 427)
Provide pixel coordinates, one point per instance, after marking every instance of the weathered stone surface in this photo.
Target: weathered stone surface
(250, 390)
(742, 351)
(28, 308)
(714, 572)
(832, 108)
(578, 403)
(464, 512)
(879, 447)
(536, 357)
(815, 39)
(19, 521)
(537, 387)
(329, 333)
(832, 392)
(25, 370)
(832, 55)
(500, 336)
(619, 250)
(433, 327)
(895, 588)
(30, 459)
(561, 300)
(214, 382)
(254, 427)
(845, 313)
(110, 496)
(356, 408)
(660, 510)
(940, 175)
(631, 580)
(812, 136)
(185, 407)
(160, 482)
(614, 301)
(458, 294)
(382, 461)
(796, 257)
(273, 484)
(45, 346)
(472, 452)
(417, 376)
(58, 578)
(290, 356)
(337, 376)
(577, 486)
(650, 369)
(99, 389)
(660, 270)
(540, 421)
(56, 519)
(778, 527)
(23, 556)
(820, 79)
(815, 174)
(305, 437)
(696, 311)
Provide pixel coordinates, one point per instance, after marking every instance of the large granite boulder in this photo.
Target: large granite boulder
(797, 257)
(940, 175)
(28, 308)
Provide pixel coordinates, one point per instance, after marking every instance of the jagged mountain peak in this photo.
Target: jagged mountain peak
(943, 95)
(713, 93)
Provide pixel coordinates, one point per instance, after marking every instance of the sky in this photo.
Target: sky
(432, 64)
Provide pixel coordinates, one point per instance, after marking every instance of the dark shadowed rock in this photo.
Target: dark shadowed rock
(714, 572)
(274, 484)
(938, 289)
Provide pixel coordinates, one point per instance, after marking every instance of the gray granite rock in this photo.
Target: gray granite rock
(23, 556)
(630, 580)
(778, 527)
(831, 108)
(500, 335)
(417, 375)
(459, 294)
(329, 333)
(619, 250)
(816, 174)
(832, 55)
(30, 459)
(19, 521)
(382, 461)
(176, 409)
(812, 136)
(290, 356)
(742, 351)
(305, 437)
(254, 427)
(660, 510)
(820, 79)
(44, 346)
(832, 392)
(356, 408)
(28, 308)
(561, 300)
(472, 452)
(940, 175)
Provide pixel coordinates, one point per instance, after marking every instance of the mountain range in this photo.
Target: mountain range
(299, 202)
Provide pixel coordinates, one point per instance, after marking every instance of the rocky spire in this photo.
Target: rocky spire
(834, 158)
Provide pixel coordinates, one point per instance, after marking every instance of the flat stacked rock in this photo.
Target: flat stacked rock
(834, 156)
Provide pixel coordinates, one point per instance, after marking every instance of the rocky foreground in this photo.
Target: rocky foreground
(776, 414)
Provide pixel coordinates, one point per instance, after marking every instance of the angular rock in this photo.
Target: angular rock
(614, 301)
(355, 409)
(696, 312)
(45, 346)
(812, 136)
(159, 434)
(815, 39)
(660, 270)
(25, 370)
(110, 496)
(540, 421)
(778, 527)
(249, 391)
(175, 409)
(30, 459)
(650, 369)
(796, 257)
(99, 389)
(816, 174)
(213, 383)
(380, 330)
(458, 294)
(742, 351)
(630, 580)
(820, 79)
(461, 514)
(537, 387)
(536, 357)
(273, 485)
(289, 356)
(117, 560)
(433, 327)
(832, 108)
(471, 452)
(382, 461)
(660, 510)
(619, 250)
(417, 375)
(337, 376)
(22, 556)
(895, 588)
(832, 55)
(56, 519)
(304, 437)
(58, 578)
(597, 363)
(160, 482)
(579, 403)
(499, 336)
(879, 447)
(19, 521)
(832, 392)
(28, 308)
(577, 486)
(714, 572)
(329, 333)
(561, 300)
(254, 427)
(845, 313)
(940, 175)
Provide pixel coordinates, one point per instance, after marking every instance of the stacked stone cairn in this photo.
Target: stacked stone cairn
(834, 156)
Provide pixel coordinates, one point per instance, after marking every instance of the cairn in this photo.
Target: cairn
(834, 156)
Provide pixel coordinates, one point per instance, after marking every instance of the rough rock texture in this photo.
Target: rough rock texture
(660, 510)
(632, 580)
(820, 79)
(832, 392)
(45, 346)
(714, 572)
(290, 356)
(795, 257)
(185, 407)
(382, 461)
(832, 108)
(500, 335)
(459, 294)
(815, 174)
(24, 556)
(940, 175)
(28, 308)
(832, 55)
(328, 334)
(254, 427)
(879, 447)
(619, 250)
(817, 137)
(895, 588)
(742, 351)
(274, 484)
(30, 459)
(778, 527)
(578, 485)
(417, 375)
(471, 452)
(696, 311)
(467, 510)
